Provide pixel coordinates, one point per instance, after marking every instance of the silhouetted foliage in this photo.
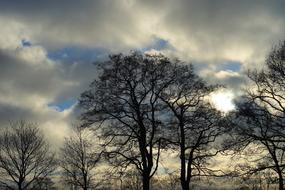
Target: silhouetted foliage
(24, 156)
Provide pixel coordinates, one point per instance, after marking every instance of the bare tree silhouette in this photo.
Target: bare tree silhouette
(124, 103)
(255, 127)
(195, 124)
(24, 156)
(79, 158)
(268, 85)
(260, 119)
(269, 93)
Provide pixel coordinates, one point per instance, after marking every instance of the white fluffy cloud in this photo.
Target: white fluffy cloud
(29, 82)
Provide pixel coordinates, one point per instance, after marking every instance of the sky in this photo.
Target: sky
(48, 47)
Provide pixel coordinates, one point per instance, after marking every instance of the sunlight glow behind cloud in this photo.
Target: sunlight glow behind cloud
(223, 100)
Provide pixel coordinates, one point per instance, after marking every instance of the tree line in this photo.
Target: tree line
(139, 107)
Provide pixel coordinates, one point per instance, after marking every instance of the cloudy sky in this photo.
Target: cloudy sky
(47, 47)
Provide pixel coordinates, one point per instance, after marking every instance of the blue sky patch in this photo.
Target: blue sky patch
(230, 65)
(26, 43)
(158, 44)
(63, 105)
(73, 54)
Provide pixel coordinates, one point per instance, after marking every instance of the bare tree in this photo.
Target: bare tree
(257, 128)
(125, 105)
(268, 85)
(79, 158)
(24, 156)
(261, 115)
(195, 124)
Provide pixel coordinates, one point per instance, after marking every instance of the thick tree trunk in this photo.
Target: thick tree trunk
(185, 185)
(20, 183)
(19, 186)
(146, 160)
(146, 182)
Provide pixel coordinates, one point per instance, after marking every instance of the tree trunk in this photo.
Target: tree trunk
(20, 183)
(146, 182)
(280, 180)
(185, 185)
(184, 182)
(85, 184)
(278, 170)
(19, 186)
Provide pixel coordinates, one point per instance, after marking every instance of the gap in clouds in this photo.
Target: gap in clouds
(78, 54)
(63, 105)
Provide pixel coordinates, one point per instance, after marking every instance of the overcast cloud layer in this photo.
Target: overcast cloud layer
(47, 47)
